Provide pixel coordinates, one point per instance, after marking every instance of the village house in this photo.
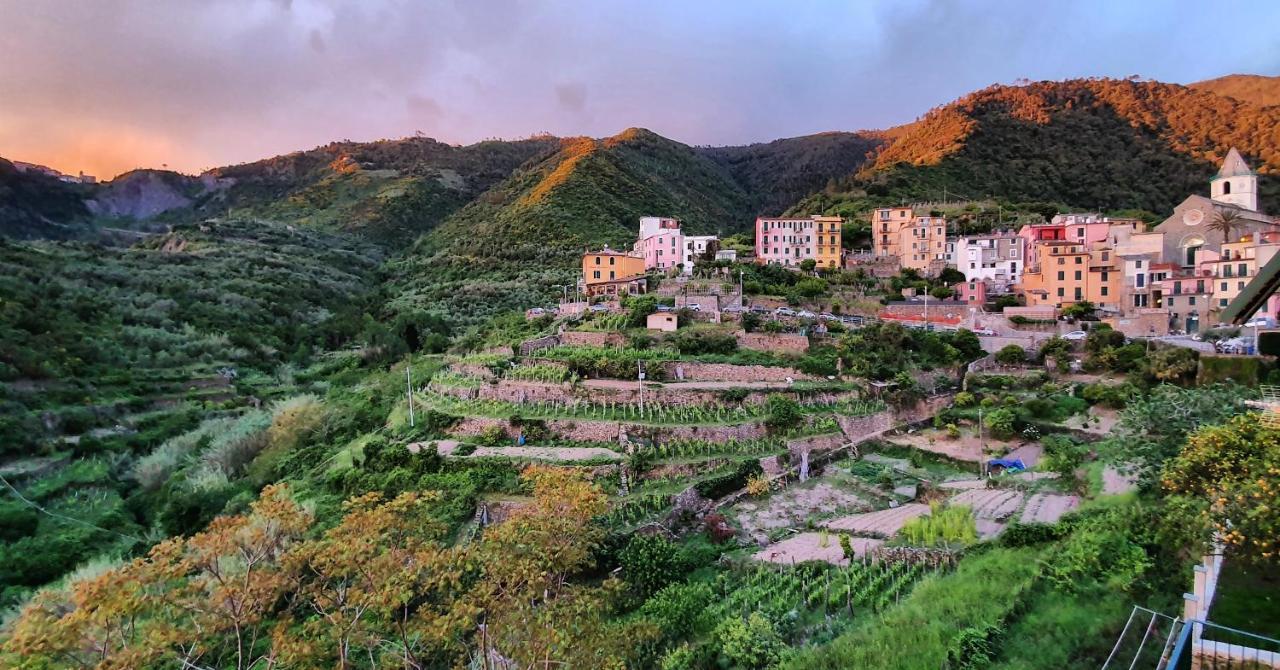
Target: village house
(612, 272)
(997, 258)
(918, 241)
(790, 241)
(665, 248)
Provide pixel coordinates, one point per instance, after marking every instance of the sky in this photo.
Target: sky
(105, 86)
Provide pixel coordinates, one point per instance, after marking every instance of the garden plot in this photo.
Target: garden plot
(795, 506)
(967, 447)
(884, 523)
(815, 547)
(1047, 508)
(990, 504)
(1029, 453)
(1115, 482)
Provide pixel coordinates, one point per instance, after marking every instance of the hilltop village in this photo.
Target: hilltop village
(1171, 278)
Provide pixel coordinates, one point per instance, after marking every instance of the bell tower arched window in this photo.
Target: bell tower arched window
(1226, 188)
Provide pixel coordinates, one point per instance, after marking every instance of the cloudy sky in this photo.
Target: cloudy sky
(108, 85)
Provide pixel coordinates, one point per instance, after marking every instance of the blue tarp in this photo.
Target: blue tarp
(1007, 464)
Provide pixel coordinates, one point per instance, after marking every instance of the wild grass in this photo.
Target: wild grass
(944, 526)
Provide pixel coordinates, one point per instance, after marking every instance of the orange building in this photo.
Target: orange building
(610, 272)
(1068, 272)
(918, 241)
(826, 247)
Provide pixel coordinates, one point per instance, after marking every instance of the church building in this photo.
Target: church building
(1189, 231)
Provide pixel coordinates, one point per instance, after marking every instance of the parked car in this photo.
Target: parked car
(537, 311)
(784, 311)
(984, 331)
(599, 307)
(732, 309)
(759, 309)
(805, 314)
(693, 306)
(1075, 335)
(828, 316)
(664, 308)
(1260, 322)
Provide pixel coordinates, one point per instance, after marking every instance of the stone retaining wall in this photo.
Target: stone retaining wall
(816, 443)
(715, 372)
(530, 346)
(576, 338)
(786, 343)
(609, 431)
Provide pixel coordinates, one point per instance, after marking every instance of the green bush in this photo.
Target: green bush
(1011, 355)
(782, 413)
(723, 485)
(650, 562)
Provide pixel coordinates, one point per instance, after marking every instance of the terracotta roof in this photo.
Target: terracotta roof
(611, 252)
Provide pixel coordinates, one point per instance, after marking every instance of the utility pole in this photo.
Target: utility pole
(741, 297)
(640, 384)
(408, 380)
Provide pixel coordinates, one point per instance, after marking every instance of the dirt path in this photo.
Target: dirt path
(444, 447)
(1029, 453)
(814, 547)
(964, 448)
(884, 523)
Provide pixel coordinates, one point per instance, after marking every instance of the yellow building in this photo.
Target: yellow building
(610, 272)
(826, 247)
(886, 226)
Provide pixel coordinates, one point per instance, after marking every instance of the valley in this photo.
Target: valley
(367, 405)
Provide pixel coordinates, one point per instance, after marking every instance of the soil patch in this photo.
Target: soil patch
(884, 523)
(793, 507)
(815, 547)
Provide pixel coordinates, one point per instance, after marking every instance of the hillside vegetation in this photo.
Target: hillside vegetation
(1085, 143)
(1257, 89)
(34, 205)
(510, 246)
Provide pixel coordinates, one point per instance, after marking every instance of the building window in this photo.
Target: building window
(1142, 280)
(597, 260)
(1078, 277)
(1103, 292)
(1061, 292)
(1062, 261)
(1105, 275)
(1062, 276)
(1191, 301)
(611, 260)
(1226, 188)
(1242, 269)
(1224, 286)
(1170, 301)
(1222, 302)
(1240, 285)
(596, 275)
(611, 274)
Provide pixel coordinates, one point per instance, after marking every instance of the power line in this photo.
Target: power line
(55, 515)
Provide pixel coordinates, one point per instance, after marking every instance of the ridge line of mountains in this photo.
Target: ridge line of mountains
(507, 218)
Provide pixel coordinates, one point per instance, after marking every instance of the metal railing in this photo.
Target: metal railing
(1203, 645)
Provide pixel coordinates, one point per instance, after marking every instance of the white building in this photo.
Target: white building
(998, 259)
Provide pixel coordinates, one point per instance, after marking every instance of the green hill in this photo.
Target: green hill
(33, 205)
(778, 174)
(509, 246)
(1088, 143)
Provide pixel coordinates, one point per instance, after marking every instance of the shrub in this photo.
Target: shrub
(758, 485)
(752, 643)
(679, 608)
(650, 562)
(943, 526)
(782, 412)
(1063, 455)
(1001, 422)
(493, 436)
(964, 399)
(1173, 364)
(694, 341)
(1011, 355)
(723, 485)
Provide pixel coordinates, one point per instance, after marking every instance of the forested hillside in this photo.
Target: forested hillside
(778, 174)
(511, 245)
(1086, 143)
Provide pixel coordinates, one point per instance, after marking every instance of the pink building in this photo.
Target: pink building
(972, 292)
(661, 243)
